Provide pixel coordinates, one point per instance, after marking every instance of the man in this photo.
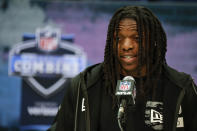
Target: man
(166, 100)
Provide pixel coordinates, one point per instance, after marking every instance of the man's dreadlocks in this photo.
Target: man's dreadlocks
(151, 32)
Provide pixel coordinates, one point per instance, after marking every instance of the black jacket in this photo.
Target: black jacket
(80, 109)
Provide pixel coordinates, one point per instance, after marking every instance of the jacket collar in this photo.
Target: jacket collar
(94, 72)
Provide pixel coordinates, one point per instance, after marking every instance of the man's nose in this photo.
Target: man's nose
(128, 45)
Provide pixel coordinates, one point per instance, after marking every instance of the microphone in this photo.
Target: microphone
(126, 94)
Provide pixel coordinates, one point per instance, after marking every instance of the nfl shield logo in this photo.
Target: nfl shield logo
(48, 39)
(125, 86)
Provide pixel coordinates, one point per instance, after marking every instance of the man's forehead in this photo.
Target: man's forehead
(127, 24)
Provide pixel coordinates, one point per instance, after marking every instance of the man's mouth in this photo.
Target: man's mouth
(128, 58)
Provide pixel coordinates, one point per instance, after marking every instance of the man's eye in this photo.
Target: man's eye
(136, 38)
(119, 39)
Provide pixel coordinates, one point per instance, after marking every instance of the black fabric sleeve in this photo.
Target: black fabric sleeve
(64, 120)
(65, 116)
(190, 105)
(194, 107)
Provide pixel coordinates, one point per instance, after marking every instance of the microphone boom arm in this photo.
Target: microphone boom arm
(121, 113)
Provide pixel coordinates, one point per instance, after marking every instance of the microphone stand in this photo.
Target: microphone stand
(121, 114)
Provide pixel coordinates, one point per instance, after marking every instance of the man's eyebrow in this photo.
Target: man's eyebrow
(128, 27)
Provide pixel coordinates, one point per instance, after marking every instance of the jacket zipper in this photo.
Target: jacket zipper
(77, 104)
(180, 98)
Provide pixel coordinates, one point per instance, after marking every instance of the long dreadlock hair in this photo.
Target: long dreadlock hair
(151, 32)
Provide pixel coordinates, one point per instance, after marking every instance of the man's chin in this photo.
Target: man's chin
(129, 71)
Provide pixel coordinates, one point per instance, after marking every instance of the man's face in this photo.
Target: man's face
(128, 45)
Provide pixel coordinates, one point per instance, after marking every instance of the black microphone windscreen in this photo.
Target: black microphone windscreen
(128, 78)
